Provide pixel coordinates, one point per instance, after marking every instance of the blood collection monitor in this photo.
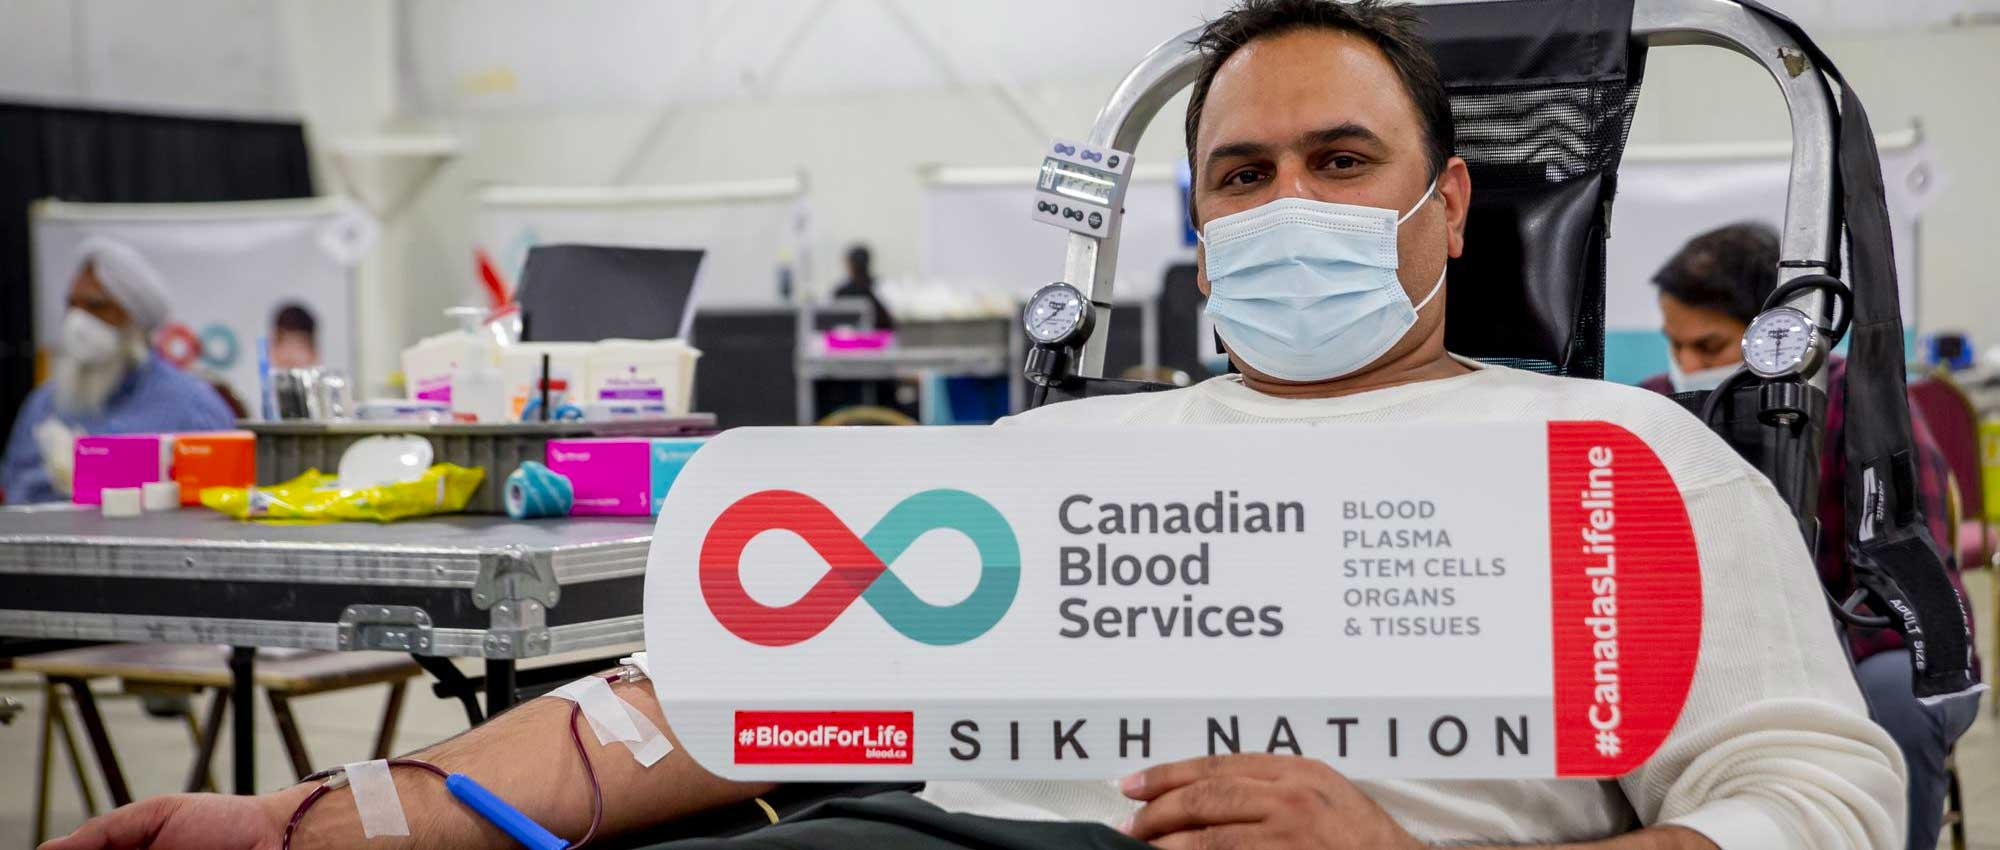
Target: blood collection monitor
(1082, 188)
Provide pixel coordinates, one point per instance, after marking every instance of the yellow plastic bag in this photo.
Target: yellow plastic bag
(317, 497)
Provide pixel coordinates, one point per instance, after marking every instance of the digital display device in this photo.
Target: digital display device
(1075, 181)
(1081, 188)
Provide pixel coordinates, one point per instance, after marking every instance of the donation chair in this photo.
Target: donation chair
(1542, 93)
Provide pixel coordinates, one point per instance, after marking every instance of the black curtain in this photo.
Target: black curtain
(120, 157)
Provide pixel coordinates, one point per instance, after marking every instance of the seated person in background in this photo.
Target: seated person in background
(106, 379)
(860, 283)
(1709, 292)
(294, 338)
(1324, 181)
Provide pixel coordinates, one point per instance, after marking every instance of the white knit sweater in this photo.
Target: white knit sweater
(1774, 749)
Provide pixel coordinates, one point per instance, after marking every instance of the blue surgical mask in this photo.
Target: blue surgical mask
(1306, 290)
(1699, 380)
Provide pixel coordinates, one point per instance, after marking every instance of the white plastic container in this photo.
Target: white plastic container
(429, 365)
(655, 375)
(477, 389)
(521, 371)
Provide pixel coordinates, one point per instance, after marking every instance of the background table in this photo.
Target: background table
(482, 587)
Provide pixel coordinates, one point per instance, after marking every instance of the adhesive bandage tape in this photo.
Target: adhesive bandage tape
(535, 491)
(161, 496)
(121, 502)
(613, 719)
(375, 797)
(638, 659)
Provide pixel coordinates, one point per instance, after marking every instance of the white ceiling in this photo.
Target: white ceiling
(231, 56)
(210, 56)
(516, 54)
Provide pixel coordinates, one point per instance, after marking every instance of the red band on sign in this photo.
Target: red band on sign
(1625, 583)
(824, 737)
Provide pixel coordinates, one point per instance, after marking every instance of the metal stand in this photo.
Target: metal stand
(453, 684)
(243, 723)
(499, 685)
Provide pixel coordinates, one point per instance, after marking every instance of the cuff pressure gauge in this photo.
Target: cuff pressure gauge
(1058, 314)
(1783, 342)
(1058, 321)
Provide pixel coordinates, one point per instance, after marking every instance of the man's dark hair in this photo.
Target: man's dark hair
(297, 319)
(859, 258)
(1392, 27)
(1730, 270)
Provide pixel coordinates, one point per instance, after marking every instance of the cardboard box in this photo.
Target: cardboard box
(620, 476)
(669, 455)
(125, 460)
(219, 459)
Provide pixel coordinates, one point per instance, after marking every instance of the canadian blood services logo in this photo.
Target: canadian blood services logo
(858, 567)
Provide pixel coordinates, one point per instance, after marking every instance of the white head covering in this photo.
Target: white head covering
(130, 280)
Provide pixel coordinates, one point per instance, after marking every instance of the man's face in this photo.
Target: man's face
(1699, 338)
(1322, 114)
(293, 350)
(87, 293)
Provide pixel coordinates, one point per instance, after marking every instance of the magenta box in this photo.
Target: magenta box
(120, 461)
(612, 477)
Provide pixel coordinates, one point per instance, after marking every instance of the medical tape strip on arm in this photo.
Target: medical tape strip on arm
(375, 797)
(613, 719)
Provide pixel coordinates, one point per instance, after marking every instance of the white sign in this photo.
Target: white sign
(1425, 602)
(229, 267)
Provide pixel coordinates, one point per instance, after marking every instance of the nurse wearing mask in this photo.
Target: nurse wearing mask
(105, 379)
(1709, 292)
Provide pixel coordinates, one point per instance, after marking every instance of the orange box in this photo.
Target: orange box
(219, 459)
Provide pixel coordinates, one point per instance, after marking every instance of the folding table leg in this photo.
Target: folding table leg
(75, 753)
(500, 692)
(100, 740)
(243, 723)
(288, 731)
(392, 713)
(45, 762)
(200, 777)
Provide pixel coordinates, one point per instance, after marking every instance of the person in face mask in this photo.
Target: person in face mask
(1329, 204)
(105, 379)
(1710, 290)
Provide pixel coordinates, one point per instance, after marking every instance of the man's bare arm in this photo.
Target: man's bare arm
(1650, 838)
(525, 756)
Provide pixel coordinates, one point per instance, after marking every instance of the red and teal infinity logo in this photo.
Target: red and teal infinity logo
(858, 567)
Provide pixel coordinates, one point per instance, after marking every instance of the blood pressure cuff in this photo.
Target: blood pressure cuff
(1889, 547)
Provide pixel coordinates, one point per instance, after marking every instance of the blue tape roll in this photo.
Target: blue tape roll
(536, 491)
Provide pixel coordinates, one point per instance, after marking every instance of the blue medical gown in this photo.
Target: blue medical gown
(156, 398)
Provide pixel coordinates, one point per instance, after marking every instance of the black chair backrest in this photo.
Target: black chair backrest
(1542, 93)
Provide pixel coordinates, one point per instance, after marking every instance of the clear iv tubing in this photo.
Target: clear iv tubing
(575, 736)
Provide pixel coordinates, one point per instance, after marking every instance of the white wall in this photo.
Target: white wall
(1943, 80)
(862, 154)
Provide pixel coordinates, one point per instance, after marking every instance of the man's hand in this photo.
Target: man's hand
(1254, 800)
(188, 822)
